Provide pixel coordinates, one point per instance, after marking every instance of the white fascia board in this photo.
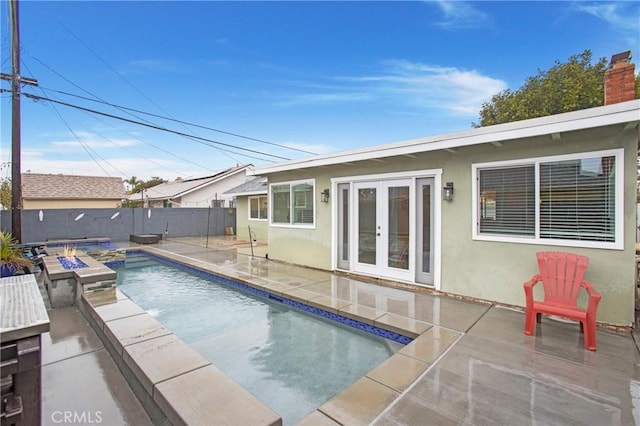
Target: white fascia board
(214, 179)
(623, 112)
(249, 193)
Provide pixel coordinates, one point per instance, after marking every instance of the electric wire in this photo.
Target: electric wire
(145, 142)
(84, 146)
(185, 122)
(199, 139)
(194, 138)
(99, 99)
(124, 79)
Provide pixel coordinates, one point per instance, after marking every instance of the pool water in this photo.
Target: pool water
(291, 360)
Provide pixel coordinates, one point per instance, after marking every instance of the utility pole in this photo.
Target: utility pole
(16, 80)
(16, 174)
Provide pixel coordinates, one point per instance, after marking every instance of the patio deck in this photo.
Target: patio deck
(470, 364)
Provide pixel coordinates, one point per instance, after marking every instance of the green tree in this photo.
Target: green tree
(145, 184)
(5, 194)
(138, 187)
(132, 181)
(570, 86)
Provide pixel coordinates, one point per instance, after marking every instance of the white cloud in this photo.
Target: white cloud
(622, 16)
(614, 13)
(426, 86)
(91, 140)
(401, 85)
(35, 162)
(461, 15)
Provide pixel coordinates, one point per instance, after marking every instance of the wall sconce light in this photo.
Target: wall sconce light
(447, 192)
(324, 196)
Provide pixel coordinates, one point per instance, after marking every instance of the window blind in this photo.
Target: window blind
(577, 199)
(507, 200)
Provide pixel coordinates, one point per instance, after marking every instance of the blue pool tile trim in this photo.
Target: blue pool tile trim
(399, 338)
(105, 244)
(115, 264)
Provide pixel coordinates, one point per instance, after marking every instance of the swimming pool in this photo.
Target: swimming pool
(291, 360)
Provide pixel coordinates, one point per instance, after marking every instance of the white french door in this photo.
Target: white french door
(383, 237)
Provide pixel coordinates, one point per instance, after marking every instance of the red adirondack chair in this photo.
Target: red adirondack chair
(562, 276)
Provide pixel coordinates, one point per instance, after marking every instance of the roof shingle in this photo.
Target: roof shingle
(50, 186)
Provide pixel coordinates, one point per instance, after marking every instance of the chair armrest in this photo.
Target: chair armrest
(594, 296)
(528, 286)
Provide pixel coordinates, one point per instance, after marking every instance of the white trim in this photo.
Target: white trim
(436, 174)
(248, 194)
(292, 183)
(249, 208)
(623, 112)
(618, 244)
(388, 176)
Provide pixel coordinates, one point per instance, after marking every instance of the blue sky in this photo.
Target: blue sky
(315, 76)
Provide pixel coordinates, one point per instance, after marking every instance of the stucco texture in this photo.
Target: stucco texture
(493, 271)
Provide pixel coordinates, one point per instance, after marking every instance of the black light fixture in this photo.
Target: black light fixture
(324, 196)
(447, 192)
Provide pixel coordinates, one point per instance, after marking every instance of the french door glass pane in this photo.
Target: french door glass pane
(426, 228)
(345, 224)
(398, 227)
(367, 225)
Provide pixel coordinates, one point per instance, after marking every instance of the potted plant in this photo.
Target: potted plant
(11, 259)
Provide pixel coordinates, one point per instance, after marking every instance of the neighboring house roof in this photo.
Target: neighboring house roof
(256, 186)
(179, 188)
(49, 186)
(554, 125)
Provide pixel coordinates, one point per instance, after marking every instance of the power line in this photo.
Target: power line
(150, 144)
(195, 138)
(111, 68)
(204, 141)
(103, 101)
(84, 146)
(183, 122)
(121, 76)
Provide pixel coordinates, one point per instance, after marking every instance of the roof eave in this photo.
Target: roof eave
(625, 112)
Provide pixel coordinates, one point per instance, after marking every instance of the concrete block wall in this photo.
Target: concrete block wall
(118, 224)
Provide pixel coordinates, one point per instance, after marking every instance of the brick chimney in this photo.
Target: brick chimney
(620, 79)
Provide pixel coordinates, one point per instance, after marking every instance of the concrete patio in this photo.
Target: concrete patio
(470, 363)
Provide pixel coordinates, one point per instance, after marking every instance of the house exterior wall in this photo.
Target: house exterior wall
(259, 228)
(70, 204)
(203, 197)
(493, 271)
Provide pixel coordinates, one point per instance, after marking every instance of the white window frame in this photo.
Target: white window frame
(258, 219)
(617, 244)
(291, 184)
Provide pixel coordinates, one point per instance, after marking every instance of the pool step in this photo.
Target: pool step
(138, 262)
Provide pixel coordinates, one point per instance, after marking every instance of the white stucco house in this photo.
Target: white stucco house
(207, 191)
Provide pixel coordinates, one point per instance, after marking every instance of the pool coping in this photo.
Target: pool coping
(141, 348)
